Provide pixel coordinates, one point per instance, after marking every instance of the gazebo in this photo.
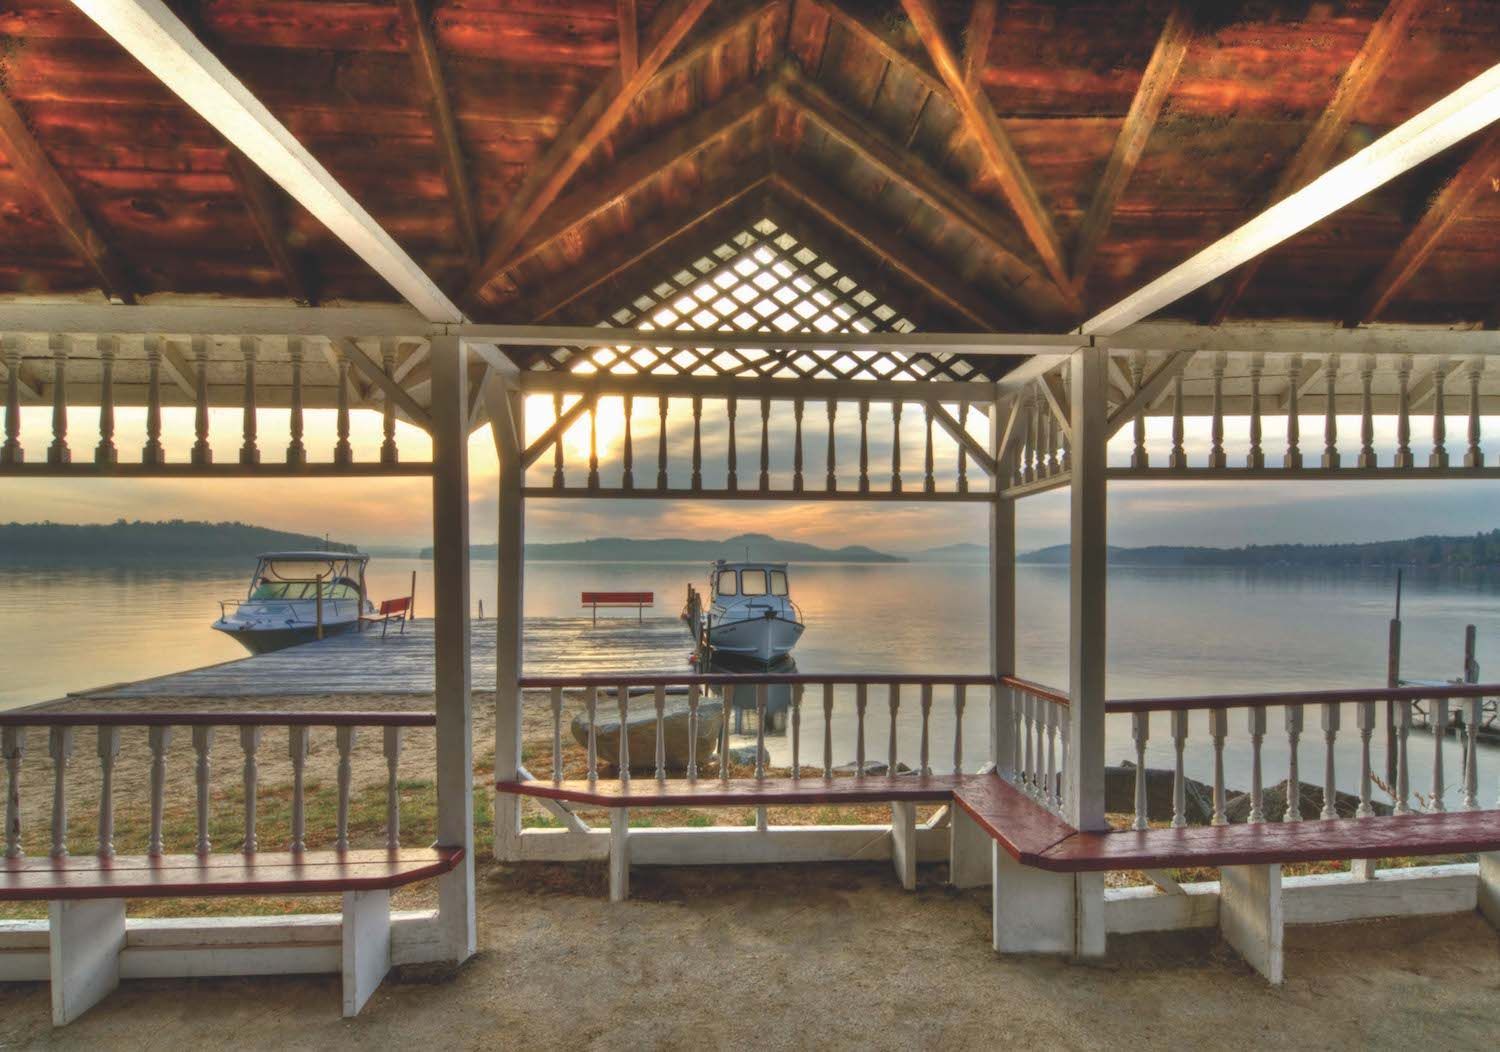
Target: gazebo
(1001, 232)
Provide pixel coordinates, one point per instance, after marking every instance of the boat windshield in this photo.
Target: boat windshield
(778, 582)
(727, 585)
(342, 588)
(752, 582)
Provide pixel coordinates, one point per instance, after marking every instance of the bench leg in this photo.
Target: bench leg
(619, 854)
(968, 851)
(1489, 886)
(1034, 910)
(904, 843)
(86, 938)
(1250, 916)
(367, 946)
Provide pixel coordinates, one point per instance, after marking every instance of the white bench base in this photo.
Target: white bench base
(1036, 911)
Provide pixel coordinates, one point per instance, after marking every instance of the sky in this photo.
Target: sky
(397, 512)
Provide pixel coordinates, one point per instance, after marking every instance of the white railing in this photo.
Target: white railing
(1039, 738)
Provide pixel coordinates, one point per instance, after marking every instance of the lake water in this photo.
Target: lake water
(1172, 631)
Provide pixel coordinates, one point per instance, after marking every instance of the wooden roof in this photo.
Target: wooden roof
(535, 177)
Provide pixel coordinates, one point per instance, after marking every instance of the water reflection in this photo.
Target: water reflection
(740, 698)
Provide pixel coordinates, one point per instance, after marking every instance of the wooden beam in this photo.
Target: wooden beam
(179, 370)
(558, 428)
(1056, 394)
(1152, 388)
(392, 387)
(29, 386)
(266, 214)
(925, 273)
(956, 431)
(1481, 172)
(36, 170)
(977, 36)
(1000, 155)
(920, 179)
(877, 41)
(676, 385)
(1365, 73)
(160, 42)
(1145, 108)
(1010, 435)
(1451, 119)
(630, 42)
(595, 121)
(416, 18)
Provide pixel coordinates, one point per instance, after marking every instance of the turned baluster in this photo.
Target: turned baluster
(1404, 458)
(1065, 751)
(1138, 455)
(203, 453)
(58, 452)
(1293, 459)
(797, 409)
(558, 476)
(60, 747)
(1028, 771)
(1054, 464)
(1294, 721)
(1474, 455)
(1049, 789)
(1330, 725)
(861, 700)
(1473, 709)
(344, 739)
(661, 732)
(765, 444)
(1257, 727)
(1028, 442)
(591, 705)
(661, 442)
(895, 447)
(1257, 456)
(693, 702)
(296, 750)
(960, 699)
(864, 445)
(796, 730)
(105, 453)
(1403, 772)
(11, 452)
(557, 745)
(593, 480)
(732, 480)
(833, 476)
(761, 691)
(1367, 412)
(1438, 721)
(152, 452)
(627, 449)
(963, 450)
(1179, 777)
(1438, 458)
(13, 749)
(203, 740)
(1218, 729)
(343, 452)
(1016, 708)
(622, 703)
(249, 452)
(724, 736)
(1178, 457)
(296, 452)
(1330, 412)
(391, 747)
(109, 753)
(389, 454)
(1365, 721)
(828, 730)
(929, 481)
(1140, 731)
(697, 480)
(249, 742)
(1216, 455)
(895, 699)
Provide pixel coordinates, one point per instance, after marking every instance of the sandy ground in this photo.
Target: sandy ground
(792, 957)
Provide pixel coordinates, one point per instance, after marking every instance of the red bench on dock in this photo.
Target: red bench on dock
(389, 609)
(625, 600)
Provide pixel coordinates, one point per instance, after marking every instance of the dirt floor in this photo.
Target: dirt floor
(833, 956)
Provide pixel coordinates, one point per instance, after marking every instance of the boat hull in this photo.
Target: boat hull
(762, 639)
(264, 640)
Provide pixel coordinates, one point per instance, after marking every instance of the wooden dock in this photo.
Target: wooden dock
(365, 663)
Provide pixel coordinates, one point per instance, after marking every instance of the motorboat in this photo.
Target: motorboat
(751, 614)
(297, 597)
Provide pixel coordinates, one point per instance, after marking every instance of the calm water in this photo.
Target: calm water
(1171, 632)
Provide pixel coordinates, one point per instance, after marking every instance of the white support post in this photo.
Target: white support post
(366, 946)
(507, 421)
(619, 853)
(1034, 910)
(1085, 774)
(1250, 916)
(968, 851)
(1002, 598)
(904, 842)
(450, 571)
(85, 940)
(1489, 886)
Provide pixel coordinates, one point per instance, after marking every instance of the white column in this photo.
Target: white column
(1086, 620)
(1002, 598)
(507, 419)
(450, 614)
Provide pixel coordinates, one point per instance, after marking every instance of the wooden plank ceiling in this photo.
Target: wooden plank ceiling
(986, 164)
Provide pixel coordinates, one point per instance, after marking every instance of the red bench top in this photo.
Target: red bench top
(176, 876)
(1011, 818)
(646, 791)
(629, 598)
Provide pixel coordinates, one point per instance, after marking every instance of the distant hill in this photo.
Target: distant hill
(962, 552)
(1482, 549)
(27, 542)
(677, 549)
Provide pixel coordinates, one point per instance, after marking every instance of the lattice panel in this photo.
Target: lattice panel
(761, 279)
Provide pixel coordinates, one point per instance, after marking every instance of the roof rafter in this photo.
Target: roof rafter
(977, 36)
(28, 158)
(1140, 121)
(1318, 149)
(416, 16)
(999, 153)
(1446, 207)
(595, 120)
(630, 36)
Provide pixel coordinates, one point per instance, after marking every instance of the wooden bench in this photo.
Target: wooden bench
(1035, 847)
(389, 608)
(621, 600)
(86, 897)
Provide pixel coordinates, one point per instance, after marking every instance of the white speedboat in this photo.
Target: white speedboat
(283, 608)
(751, 614)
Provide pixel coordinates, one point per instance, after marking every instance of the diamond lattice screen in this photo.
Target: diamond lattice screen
(762, 279)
